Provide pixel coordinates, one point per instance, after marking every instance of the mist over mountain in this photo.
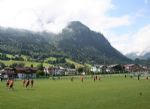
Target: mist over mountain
(76, 41)
(132, 56)
(146, 55)
(143, 56)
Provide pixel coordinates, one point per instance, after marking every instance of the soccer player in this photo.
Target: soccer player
(7, 83)
(27, 83)
(99, 78)
(11, 83)
(32, 82)
(138, 77)
(71, 79)
(24, 81)
(1, 79)
(94, 78)
(81, 78)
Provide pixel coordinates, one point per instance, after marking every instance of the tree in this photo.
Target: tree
(2, 65)
(80, 70)
(87, 69)
(40, 66)
(40, 73)
(17, 65)
(32, 65)
(4, 56)
(61, 60)
(72, 66)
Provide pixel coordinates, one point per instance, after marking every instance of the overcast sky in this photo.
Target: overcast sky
(125, 23)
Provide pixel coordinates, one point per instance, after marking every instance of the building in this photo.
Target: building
(115, 68)
(99, 68)
(135, 68)
(70, 71)
(24, 72)
(55, 71)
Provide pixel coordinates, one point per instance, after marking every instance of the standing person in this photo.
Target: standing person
(125, 76)
(7, 83)
(1, 78)
(147, 77)
(81, 78)
(11, 83)
(99, 78)
(53, 77)
(71, 79)
(138, 76)
(24, 81)
(94, 78)
(27, 83)
(32, 82)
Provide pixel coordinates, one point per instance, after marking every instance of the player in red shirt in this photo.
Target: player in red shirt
(81, 78)
(7, 83)
(11, 83)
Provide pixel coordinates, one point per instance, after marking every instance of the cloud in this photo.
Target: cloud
(53, 15)
(142, 13)
(132, 42)
(146, 1)
(142, 40)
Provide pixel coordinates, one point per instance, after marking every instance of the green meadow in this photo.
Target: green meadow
(27, 63)
(114, 92)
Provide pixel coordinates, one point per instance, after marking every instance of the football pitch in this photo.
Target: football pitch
(108, 93)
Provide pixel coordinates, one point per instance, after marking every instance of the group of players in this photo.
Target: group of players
(95, 77)
(26, 83)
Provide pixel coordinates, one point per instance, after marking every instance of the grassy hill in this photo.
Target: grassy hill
(27, 63)
(77, 65)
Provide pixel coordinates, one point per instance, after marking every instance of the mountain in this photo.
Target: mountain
(132, 56)
(143, 56)
(146, 56)
(26, 42)
(76, 41)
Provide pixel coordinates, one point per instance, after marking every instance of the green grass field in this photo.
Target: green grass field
(108, 93)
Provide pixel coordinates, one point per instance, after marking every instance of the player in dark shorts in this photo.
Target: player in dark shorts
(32, 82)
(27, 83)
(71, 79)
(99, 78)
(24, 81)
(7, 83)
(94, 78)
(138, 77)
